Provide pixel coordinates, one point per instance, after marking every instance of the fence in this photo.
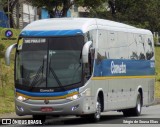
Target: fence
(3, 20)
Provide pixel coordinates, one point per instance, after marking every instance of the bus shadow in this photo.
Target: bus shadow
(105, 119)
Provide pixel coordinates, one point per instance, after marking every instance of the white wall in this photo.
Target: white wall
(29, 13)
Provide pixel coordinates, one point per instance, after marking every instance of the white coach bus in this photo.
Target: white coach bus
(82, 66)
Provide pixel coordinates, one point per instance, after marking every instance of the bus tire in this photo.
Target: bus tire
(134, 111)
(97, 115)
(39, 117)
(137, 110)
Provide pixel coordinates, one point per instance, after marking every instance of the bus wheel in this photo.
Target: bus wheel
(137, 110)
(39, 117)
(134, 111)
(97, 115)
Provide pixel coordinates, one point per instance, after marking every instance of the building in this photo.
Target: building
(26, 14)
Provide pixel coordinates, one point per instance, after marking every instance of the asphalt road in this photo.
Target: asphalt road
(109, 119)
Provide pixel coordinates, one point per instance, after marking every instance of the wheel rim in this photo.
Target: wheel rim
(139, 105)
(98, 110)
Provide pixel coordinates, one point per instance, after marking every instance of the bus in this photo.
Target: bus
(82, 67)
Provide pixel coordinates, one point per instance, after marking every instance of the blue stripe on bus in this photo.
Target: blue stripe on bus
(114, 67)
(49, 33)
(47, 94)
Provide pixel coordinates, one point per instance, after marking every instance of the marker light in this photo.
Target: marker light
(20, 108)
(75, 107)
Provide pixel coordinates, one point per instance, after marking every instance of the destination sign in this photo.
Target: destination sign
(35, 40)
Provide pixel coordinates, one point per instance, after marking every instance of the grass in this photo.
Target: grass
(157, 89)
(157, 86)
(7, 97)
(7, 76)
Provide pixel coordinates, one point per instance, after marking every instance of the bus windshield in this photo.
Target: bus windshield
(49, 62)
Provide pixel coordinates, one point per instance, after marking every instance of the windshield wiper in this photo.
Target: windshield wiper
(37, 76)
(55, 77)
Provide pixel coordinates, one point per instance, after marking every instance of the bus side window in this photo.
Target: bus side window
(149, 48)
(91, 59)
(141, 47)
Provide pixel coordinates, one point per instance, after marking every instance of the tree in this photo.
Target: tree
(52, 5)
(141, 13)
(12, 4)
(111, 4)
(92, 4)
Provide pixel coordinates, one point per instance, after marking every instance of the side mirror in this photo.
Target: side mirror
(85, 51)
(8, 53)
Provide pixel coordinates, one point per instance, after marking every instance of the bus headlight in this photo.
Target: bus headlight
(74, 97)
(21, 98)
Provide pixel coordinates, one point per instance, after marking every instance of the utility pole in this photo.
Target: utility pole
(17, 13)
(8, 15)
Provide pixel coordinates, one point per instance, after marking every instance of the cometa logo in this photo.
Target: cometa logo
(118, 68)
(46, 90)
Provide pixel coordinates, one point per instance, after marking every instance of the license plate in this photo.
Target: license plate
(46, 109)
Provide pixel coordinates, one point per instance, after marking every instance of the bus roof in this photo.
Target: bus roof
(83, 24)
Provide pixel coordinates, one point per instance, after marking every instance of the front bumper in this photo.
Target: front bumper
(75, 107)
